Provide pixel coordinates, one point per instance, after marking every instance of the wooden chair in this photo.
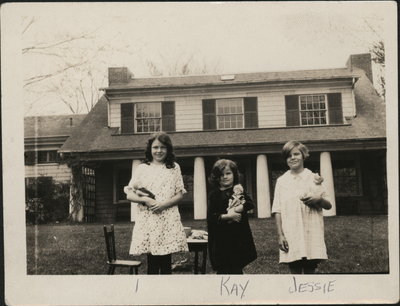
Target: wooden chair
(112, 261)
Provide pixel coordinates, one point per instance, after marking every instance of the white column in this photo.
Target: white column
(327, 174)
(263, 193)
(199, 189)
(135, 164)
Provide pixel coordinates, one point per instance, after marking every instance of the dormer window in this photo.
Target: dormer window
(148, 117)
(313, 110)
(230, 113)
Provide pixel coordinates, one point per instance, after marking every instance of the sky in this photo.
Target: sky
(227, 37)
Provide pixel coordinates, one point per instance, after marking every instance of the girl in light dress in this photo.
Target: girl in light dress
(298, 202)
(157, 186)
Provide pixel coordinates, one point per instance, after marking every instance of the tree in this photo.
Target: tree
(378, 56)
(185, 64)
(67, 65)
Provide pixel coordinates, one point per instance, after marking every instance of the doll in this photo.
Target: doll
(137, 186)
(237, 197)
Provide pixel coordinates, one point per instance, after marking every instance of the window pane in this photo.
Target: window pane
(313, 112)
(148, 117)
(230, 113)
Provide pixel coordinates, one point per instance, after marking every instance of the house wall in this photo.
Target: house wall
(271, 105)
(59, 172)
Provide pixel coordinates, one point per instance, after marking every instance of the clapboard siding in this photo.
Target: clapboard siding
(189, 115)
(59, 172)
(271, 105)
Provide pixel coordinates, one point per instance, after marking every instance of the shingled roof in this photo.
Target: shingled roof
(51, 126)
(95, 136)
(240, 78)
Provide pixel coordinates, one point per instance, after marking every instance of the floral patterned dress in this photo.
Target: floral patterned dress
(158, 233)
(302, 226)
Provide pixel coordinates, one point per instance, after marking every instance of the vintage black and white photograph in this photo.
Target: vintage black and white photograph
(199, 153)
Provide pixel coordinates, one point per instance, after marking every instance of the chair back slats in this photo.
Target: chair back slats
(110, 243)
(112, 254)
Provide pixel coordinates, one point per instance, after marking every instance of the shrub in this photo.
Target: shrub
(46, 200)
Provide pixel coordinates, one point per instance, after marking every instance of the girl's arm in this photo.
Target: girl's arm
(283, 244)
(138, 197)
(231, 216)
(157, 206)
(317, 202)
(213, 214)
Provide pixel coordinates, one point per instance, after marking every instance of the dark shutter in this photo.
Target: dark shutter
(209, 117)
(30, 157)
(127, 118)
(335, 108)
(168, 116)
(250, 112)
(292, 110)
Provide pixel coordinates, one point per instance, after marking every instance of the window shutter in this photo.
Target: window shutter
(127, 118)
(250, 112)
(335, 108)
(209, 116)
(30, 157)
(168, 116)
(292, 110)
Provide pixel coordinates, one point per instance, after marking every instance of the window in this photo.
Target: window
(148, 117)
(346, 178)
(230, 114)
(47, 157)
(313, 109)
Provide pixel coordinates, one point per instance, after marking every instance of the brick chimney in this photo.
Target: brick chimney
(362, 61)
(118, 75)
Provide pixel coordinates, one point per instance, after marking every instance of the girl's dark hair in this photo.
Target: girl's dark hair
(166, 141)
(290, 145)
(217, 169)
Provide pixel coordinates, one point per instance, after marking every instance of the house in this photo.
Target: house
(43, 136)
(246, 117)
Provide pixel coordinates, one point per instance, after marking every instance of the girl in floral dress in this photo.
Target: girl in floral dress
(158, 230)
(298, 203)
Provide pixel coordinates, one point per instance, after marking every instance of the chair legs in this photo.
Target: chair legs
(111, 270)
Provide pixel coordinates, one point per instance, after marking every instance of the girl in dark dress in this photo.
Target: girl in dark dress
(230, 242)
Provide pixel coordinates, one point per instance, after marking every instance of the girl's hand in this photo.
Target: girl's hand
(318, 179)
(283, 244)
(238, 208)
(234, 216)
(149, 202)
(312, 200)
(157, 207)
(141, 193)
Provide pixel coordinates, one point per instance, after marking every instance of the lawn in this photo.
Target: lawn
(356, 244)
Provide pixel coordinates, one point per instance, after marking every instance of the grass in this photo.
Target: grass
(356, 244)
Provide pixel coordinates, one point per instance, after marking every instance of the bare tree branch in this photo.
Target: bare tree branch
(39, 78)
(31, 21)
(36, 47)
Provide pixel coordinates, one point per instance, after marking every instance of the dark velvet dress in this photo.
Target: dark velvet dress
(229, 244)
